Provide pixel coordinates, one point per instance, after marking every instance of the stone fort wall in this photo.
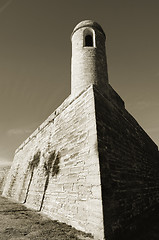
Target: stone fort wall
(94, 167)
(64, 181)
(89, 164)
(3, 174)
(129, 168)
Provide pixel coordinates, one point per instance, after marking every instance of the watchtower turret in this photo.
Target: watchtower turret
(89, 65)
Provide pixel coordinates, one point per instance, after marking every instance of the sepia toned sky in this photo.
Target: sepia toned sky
(35, 56)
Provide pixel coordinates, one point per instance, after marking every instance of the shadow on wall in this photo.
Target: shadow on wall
(51, 167)
(32, 165)
(13, 180)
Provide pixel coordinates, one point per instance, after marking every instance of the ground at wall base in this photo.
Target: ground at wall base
(19, 222)
(106, 171)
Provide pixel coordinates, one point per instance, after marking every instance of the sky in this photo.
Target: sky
(35, 61)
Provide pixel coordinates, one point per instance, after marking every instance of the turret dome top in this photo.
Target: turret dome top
(88, 23)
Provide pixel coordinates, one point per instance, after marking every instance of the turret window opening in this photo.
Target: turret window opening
(89, 38)
(88, 41)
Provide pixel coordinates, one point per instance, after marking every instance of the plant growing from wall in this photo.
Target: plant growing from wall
(51, 167)
(32, 165)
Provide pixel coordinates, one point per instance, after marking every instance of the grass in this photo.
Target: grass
(18, 222)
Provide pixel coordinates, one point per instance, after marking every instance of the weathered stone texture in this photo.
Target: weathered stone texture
(3, 175)
(103, 173)
(129, 164)
(73, 194)
(89, 64)
(89, 164)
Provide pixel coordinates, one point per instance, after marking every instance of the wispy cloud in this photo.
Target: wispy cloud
(18, 131)
(4, 162)
(5, 5)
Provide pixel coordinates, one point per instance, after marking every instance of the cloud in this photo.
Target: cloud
(5, 6)
(18, 131)
(4, 162)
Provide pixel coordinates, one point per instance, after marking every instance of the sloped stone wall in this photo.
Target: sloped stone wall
(3, 175)
(56, 170)
(89, 165)
(129, 163)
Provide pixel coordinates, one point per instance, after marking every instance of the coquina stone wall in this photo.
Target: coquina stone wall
(56, 170)
(88, 64)
(3, 175)
(90, 165)
(129, 167)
